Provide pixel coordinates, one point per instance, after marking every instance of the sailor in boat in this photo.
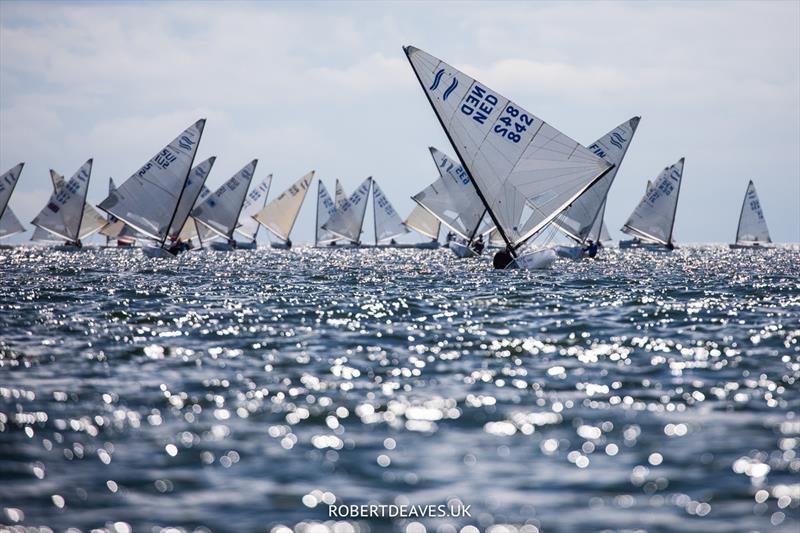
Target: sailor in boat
(591, 248)
(478, 245)
(393, 242)
(232, 243)
(449, 237)
(288, 242)
(76, 243)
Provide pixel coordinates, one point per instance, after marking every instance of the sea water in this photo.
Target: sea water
(259, 390)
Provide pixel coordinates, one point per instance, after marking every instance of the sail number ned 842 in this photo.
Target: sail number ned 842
(513, 123)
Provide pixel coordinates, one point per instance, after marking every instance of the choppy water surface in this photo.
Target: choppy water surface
(247, 391)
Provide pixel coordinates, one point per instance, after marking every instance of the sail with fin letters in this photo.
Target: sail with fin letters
(524, 170)
(325, 210)
(255, 201)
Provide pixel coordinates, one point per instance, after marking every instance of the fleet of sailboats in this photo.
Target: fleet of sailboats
(513, 177)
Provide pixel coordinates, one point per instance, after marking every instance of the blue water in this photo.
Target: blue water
(247, 391)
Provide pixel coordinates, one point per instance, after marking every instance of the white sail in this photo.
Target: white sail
(578, 219)
(452, 198)
(349, 219)
(752, 224)
(220, 211)
(195, 183)
(495, 239)
(10, 224)
(91, 223)
(325, 210)
(388, 223)
(421, 220)
(255, 201)
(148, 199)
(63, 213)
(189, 230)
(280, 214)
(7, 183)
(654, 217)
(340, 195)
(599, 231)
(526, 171)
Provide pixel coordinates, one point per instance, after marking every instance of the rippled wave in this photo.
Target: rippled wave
(248, 391)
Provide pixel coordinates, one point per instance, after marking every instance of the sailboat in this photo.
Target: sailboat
(423, 222)
(752, 231)
(63, 214)
(248, 227)
(148, 201)
(578, 221)
(348, 220)
(387, 222)
(525, 171)
(219, 213)
(280, 214)
(115, 227)
(453, 200)
(9, 223)
(326, 208)
(91, 221)
(653, 220)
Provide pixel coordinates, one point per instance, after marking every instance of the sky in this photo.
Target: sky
(326, 86)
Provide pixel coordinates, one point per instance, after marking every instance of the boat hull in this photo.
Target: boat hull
(536, 260)
(748, 247)
(634, 244)
(462, 251)
(157, 252)
(569, 252)
(280, 245)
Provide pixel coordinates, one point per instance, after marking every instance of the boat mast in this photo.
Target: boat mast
(180, 194)
(374, 217)
(241, 206)
(677, 197)
(266, 195)
(83, 202)
(316, 218)
(461, 158)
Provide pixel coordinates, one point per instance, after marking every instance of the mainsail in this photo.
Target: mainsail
(525, 171)
(340, 195)
(248, 227)
(280, 214)
(578, 219)
(189, 230)
(9, 223)
(220, 211)
(92, 221)
(325, 210)
(752, 227)
(149, 199)
(63, 213)
(349, 219)
(388, 223)
(452, 198)
(654, 217)
(195, 184)
(421, 220)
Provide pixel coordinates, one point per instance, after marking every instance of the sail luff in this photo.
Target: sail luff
(494, 218)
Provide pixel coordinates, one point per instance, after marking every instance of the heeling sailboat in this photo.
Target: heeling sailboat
(115, 226)
(752, 231)
(387, 223)
(248, 227)
(578, 221)
(280, 214)
(423, 222)
(453, 200)
(195, 185)
(63, 214)
(9, 223)
(325, 210)
(348, 221)
(525, 171)
(149, 199)
(91, 221)
(653, 220)
(220, 211)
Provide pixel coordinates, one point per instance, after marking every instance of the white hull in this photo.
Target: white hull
(539, 259)
(569, 252)
(634, 244)
(462, 251)
(157, 252)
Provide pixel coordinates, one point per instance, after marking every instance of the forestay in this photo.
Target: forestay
(525, 170)
(349, 219)
(654, 217)
(64, 211)
(149, 199)
(388, 223)
(578, 219)
(195, 183)
(220, 211)
(424, 222)
(452, 198)
(325, 210)
(280, 214)
(752, 224)
(255, 201)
